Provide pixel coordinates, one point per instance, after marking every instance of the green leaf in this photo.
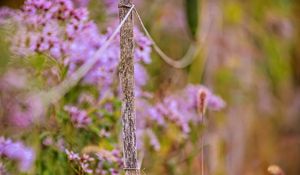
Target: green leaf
(192, 15)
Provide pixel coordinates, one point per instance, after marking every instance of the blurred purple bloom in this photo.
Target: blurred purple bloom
(111, 6)
(215, 103)
(17, 151)
(113, 158)
(6, 14)
(64, 32)
(82, 160)
(141, 75)
(104, 133)
(48, 141)
(143, 47)
(79, 118)
(81, 3)
(14, 79)
(182, 107)
(19, 108)
(27, 111)
(71, 155)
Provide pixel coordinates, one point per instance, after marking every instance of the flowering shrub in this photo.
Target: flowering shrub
(51, 40)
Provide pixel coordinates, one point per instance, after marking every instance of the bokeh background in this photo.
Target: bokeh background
(250, 57)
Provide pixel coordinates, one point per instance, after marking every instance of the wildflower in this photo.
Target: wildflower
(20, 109)
(81, 3)
(83, 161)
(71, 155)
(111, 6)
(185, 106)
(17, 151)
(114, 158)
(78, 117)
(64, 32)
(143, 48)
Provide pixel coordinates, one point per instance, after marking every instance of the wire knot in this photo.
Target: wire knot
(121, 5)
(131, 169)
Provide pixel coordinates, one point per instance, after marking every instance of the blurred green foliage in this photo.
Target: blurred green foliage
(192, 15)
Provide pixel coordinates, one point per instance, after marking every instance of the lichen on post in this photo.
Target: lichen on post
(126, 74)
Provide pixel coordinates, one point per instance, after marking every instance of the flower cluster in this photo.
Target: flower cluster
(5, 15)
(107, 162)
(17, 151)
(20, 108)
(64, 32)
(39, 29)
(81, 3)
(182, 108)
(112, 158)
(78, 117)
(111, 6)
(81, 161)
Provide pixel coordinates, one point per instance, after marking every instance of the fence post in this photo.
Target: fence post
(126, 74)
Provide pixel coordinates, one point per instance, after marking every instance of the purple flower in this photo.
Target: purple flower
(20, 108)
(26, 111)
(14, 79)
(141, 75)
(81, 3)
(71, 155)
(64, 32)
(17, 151)
(106, 157)
(186, 106)
(111, 6)
(79, 118)
(5, 15)
(143, 47)
(83, 161)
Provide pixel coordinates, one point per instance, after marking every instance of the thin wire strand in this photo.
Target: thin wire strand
(202, 145)
(183, 62)
(60, 90)
(202, 155)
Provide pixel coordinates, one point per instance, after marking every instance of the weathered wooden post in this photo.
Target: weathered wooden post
(126, 74)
